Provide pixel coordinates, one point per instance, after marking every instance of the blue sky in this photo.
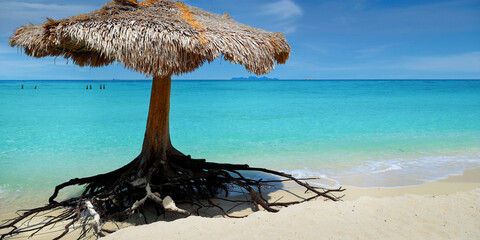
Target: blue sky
(330, 39)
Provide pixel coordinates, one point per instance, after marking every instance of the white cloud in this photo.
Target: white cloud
(42, 6)
(11, 9)
(367, 16)
(458, 63)
(373, 51)
(283, 9)
(6, 49)
(285, 27)
(285, 13)
(466, 62)
(14, 14)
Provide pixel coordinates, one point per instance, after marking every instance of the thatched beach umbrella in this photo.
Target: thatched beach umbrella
(159, 38)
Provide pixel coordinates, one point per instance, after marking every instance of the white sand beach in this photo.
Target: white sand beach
(454, 216)
(445, 209)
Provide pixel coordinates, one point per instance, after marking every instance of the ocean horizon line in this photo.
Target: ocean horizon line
(237, 80)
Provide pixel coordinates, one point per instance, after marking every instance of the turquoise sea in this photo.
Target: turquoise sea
(361, 133)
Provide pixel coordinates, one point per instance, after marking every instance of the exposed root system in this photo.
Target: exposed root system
(118, 194)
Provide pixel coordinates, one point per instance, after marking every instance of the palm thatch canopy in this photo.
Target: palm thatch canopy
(155, 37)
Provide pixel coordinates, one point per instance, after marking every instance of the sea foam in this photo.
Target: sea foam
(392, 172)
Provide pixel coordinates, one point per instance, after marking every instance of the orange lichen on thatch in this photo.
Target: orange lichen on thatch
(128, 2)
(189, 16)
(143, 3)
(148, 2)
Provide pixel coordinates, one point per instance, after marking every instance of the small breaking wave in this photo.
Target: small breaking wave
(394, 172)
(3, 190)
(322, 181)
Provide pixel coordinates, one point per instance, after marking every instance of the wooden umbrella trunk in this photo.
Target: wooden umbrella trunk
(157, 146)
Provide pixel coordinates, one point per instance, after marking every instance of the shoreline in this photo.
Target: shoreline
(445, 209)
(353, 190)
(444, 206)
(468, 180)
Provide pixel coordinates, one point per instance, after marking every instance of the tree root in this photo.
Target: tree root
(118, 194)
(167, 203)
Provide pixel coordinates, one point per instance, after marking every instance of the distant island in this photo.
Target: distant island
(255, 78)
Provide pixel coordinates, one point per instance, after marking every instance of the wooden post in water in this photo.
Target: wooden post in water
(22, 86)
(87, 87)
(35, 86)
(90, 86)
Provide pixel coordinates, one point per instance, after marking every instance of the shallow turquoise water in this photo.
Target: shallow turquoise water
(362, 133)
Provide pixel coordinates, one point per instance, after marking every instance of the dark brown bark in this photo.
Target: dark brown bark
(157, 134)
(156, 144)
